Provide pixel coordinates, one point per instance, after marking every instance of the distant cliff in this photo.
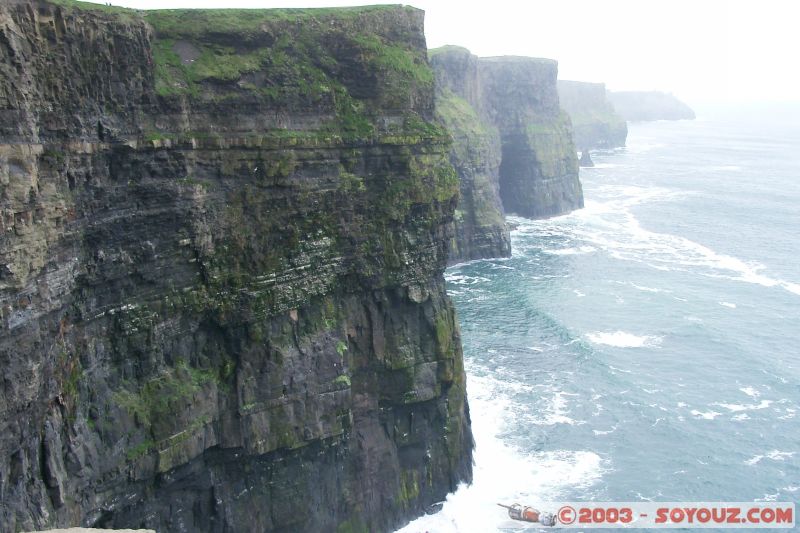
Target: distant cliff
(221, 296)
(649, 105)
(595, 122)
(513, 147)
(481, 230)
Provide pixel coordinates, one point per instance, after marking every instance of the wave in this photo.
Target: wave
(750, 391)
(774, 455)
(502, 473)
(737, 407)
(610, 225)
(709, 415)
(622, 339)
(571, 251)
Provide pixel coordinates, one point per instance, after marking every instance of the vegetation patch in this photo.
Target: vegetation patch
(459, 116)
(161, 395)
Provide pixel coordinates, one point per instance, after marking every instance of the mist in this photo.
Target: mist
(704, 52)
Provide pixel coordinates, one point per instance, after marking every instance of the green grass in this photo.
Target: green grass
(188, 23)
(458, 115)
(140, 450)
(158, 397)
(289, 58)
(432, 52)
(342, 381)
(91, 6)
(395, 58)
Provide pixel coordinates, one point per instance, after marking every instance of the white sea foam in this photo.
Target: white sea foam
(456, 278)
(600, 432)
(571, 251)
(502, 473)
(774, 455)
(622, 339)
(750, 391)
(708, 415)
(737, 407)
(647, 289)
(554, 412)
(611, 226)
(728, 304)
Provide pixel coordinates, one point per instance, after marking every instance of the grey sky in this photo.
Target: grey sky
(701, 50)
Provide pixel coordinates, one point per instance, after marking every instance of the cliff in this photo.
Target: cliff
(649, 105)
(595, 122)
(481, 231)
(539, 169)
(512, 148)
(223, 239)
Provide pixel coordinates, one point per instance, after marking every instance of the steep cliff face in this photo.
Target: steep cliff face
(512, 147)
(594, 121)
(539, 169)
(649, 105)
(481, 231)
(223, 238)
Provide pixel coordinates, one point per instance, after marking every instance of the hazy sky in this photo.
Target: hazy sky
(701, 50)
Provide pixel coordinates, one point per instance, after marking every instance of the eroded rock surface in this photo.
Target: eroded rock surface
(505, 109)
(223, 238)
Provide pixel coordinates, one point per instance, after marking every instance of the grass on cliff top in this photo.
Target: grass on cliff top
(299, 67)
(188, 23)
(91, 6)
(446, 48)
(396, 58)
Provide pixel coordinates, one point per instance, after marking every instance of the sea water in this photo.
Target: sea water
(647, 347)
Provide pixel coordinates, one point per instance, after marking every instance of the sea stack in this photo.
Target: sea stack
(586, 159)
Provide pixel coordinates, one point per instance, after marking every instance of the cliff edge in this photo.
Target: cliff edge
(595, 122)
(512, 149)
(649, 105)
(481, 230)
(221, 291)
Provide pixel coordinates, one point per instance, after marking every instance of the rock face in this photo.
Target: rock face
(539, 170)
(513, 147)
(586, 159)
(594, 120)
(223, 238)
(649, 105)
(481, 231)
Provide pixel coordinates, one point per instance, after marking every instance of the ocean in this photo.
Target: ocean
(647, 347)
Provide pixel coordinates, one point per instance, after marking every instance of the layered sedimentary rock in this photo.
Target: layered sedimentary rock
(223, 238)
(512, 148)
(539, 168)
(649, 105)
(481, 231)
(594, 121)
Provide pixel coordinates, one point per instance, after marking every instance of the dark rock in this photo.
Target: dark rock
(512, 146)
(586, 159)
(222, 298)
(538, 170)
(481, 230)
